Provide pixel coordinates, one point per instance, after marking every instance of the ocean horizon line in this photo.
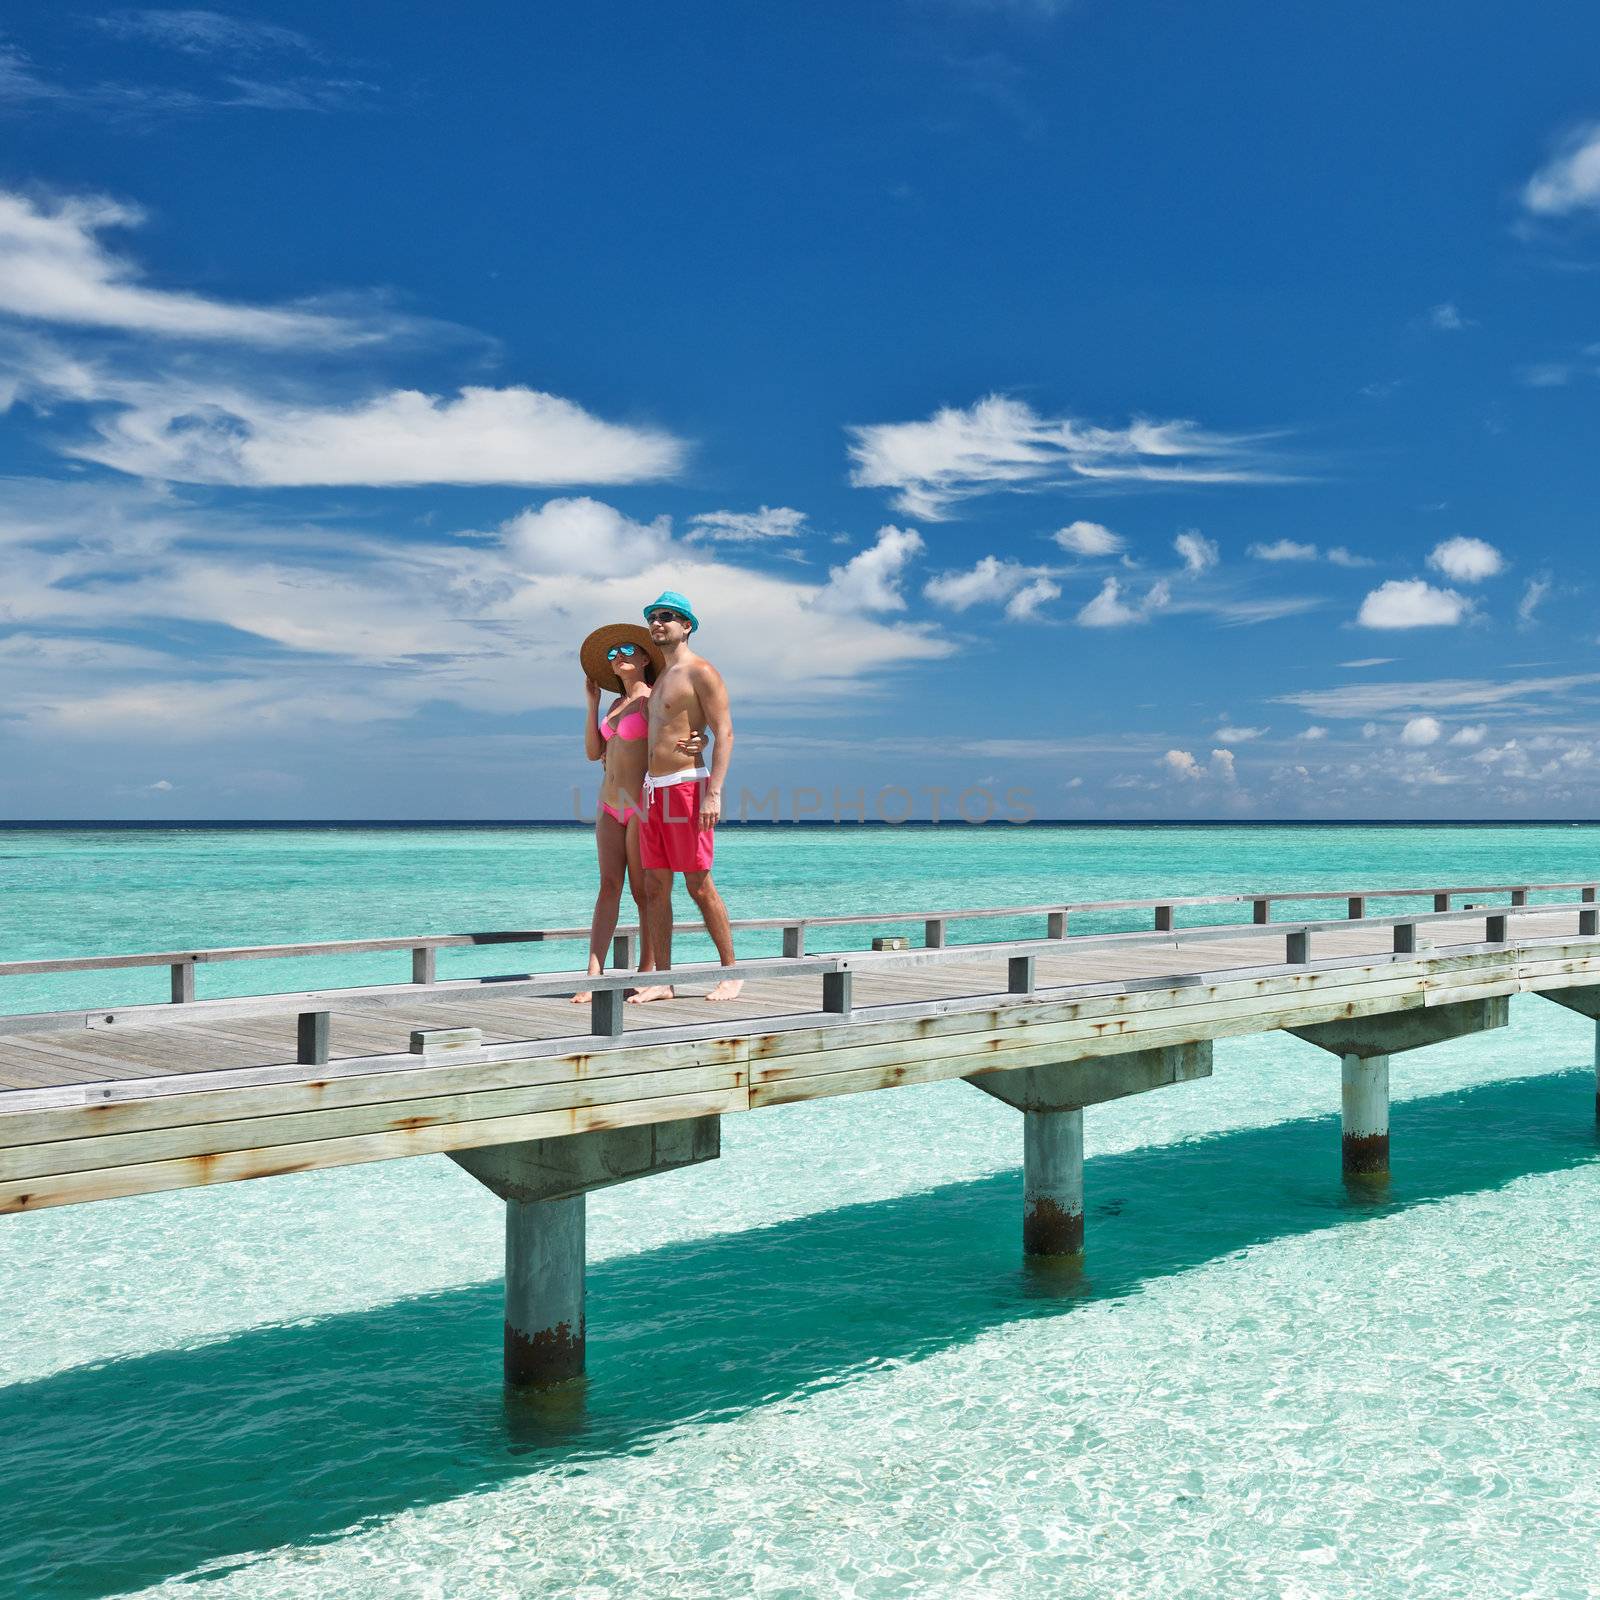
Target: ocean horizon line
(130, 824)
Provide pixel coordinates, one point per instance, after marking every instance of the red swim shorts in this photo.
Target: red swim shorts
(672, 838)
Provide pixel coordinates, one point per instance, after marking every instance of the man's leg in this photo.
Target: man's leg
(704, 894)
(658, 919)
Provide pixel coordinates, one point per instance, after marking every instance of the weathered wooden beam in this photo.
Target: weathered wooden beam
(1389, 1035)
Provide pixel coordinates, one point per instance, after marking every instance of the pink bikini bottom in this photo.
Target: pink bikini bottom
(622, 815)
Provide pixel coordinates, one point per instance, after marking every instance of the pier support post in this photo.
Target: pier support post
(1364, 1045)
(1364, 1120)
(1051, 1099)
(545, 1184)
(544, 1289)
(1052, 1182)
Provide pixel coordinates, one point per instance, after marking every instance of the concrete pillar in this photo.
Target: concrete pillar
(1051, 1099)
(1052, 1183)
(1364, 1103)
(544, 1183)
(544, 1290)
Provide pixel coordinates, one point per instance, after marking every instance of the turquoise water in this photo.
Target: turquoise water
(817, 1366)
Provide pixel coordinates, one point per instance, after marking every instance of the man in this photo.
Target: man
(683, 802)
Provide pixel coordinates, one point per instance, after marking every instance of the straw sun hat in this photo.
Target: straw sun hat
(592, 652)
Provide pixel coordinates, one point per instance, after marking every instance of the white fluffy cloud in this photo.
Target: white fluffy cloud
(1570, 180)
(989, 580)
(188, 434)
(1420, 732)
(1469, 736)
(1411, 603)
(1313, 733)
(1025, 604)
(1000, 443)
(54, 267)
(1228, 734)
(870, 580)
(993, 581)
(582, 535)
(1466, 560)
(1109, 610)
(747, 527)
(1198, 553)
(1090, 539)
(1341, 557)
(1182, 764)
(1284, 550)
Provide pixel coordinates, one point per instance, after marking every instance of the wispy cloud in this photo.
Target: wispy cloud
(204, 33)
(1570, 181)
(747, 527)
(1439, 694)
(25, 87)
(55, 267)
(1001, 444)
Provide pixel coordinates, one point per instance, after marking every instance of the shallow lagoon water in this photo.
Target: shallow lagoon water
(818, 1366)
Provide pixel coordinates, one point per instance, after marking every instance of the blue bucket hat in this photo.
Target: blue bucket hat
(671, 600)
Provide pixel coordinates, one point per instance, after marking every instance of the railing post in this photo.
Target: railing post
(606, 1012)
(1441, 902)
(1356, 907)
(182, 982)
(311, 1038)
(1588, 892)
(1588, 924)
(1163, 919)
(622, 951)
(1405, 938)
(1494, 930)
(1297, 948)
(1056, 925)
(794, 939)
(1261, 910)
(933, 933)
(1019, 975)
(836, 995)
(424, 964)
(1519, 897)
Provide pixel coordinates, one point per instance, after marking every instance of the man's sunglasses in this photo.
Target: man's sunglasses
(665, 616)
(621, 650)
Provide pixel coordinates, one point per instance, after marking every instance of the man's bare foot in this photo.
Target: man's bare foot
(728, 989)
(582, 999)
(655, 991)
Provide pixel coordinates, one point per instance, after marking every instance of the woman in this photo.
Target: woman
(621, 658)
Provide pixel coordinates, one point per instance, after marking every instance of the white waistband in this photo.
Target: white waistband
(668, 779)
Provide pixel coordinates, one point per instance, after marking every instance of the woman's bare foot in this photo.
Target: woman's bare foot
(728, 989)
(582, 999)
(654, 991)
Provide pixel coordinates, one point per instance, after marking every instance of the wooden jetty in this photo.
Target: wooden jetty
(543, 1101)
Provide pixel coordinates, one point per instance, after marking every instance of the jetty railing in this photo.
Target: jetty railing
(835, 969)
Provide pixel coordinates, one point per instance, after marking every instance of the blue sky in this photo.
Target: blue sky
(1166, 410)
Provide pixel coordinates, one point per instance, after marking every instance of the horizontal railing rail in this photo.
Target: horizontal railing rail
(935, 922)
(607, 1011)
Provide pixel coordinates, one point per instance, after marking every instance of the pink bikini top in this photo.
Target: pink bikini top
(633, 726)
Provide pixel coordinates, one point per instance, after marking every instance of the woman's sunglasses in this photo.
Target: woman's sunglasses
(620, 650)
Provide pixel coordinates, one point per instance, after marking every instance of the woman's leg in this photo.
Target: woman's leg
(610, 843)
(647, 954)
